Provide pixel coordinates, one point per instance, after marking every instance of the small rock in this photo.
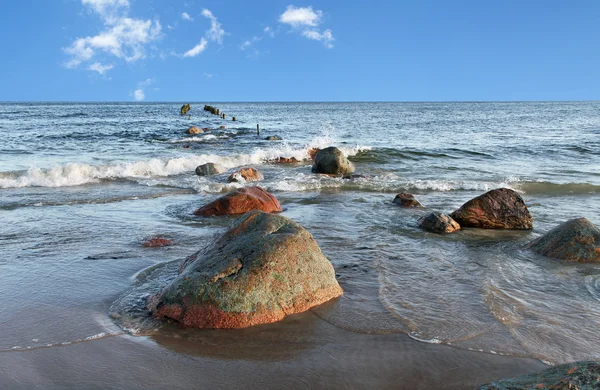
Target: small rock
(240, 201)
(355, 176)
(244, 175)
(222, 127)
(333, 162)
(157, 242)
(501, 208)
(313, 152)
(264, 268)
(273, 138)
(194, 130)
(209, 169)
(285, 160)
(576, 240)
(407, 200)
(438, 223)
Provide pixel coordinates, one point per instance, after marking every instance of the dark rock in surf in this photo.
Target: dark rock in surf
(576, 240)
(354, 177)
(438, 223)
(264, 268)
(209, 169)
(273, 138)
(501, 208)
(579, 375)
(407, 200)
(240, 201)
(332, 161)
(245, 175)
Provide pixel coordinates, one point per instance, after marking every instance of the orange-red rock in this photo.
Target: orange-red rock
(264, 268)
(157, 242)
(241, 201)
(244, 175)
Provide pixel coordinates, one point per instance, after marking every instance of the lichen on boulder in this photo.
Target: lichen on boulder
(501, 208)
(264, 268)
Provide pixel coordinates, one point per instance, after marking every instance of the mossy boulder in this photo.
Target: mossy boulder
(209, 169)
(332, 161)
(576, 240)
(264, 268)
(572, 376)
(240, 201)
(501, 208)
(438, 223)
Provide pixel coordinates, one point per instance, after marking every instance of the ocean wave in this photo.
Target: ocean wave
(75, 174)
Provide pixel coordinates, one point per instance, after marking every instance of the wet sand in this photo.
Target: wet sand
(301, 352)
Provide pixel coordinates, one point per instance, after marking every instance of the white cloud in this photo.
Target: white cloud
(199, 48)
(245, 45)
(269, 31)
(302, 16)
(98, 67)
(139, 95)
(215, 33)
(307, 22)
(326, 37)
(186, 16)
(123, 37)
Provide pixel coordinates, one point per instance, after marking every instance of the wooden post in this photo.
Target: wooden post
(257, 129)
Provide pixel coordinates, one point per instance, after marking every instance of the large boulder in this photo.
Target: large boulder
(244, 175)
(438, 223)
(194, 130)
(264, 268)
(407, 200)
(579, 375)
(575, 240)
(240, 201)
(209, 169)
(501, 208)
(332, 161)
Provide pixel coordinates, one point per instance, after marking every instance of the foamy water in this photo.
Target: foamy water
(83, 185)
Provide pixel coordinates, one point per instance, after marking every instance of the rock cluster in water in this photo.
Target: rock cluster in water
(240, 201)
(576, 240)
(264, 268)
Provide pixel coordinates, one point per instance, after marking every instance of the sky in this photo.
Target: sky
(328, 50)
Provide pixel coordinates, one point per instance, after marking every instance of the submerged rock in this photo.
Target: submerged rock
(209, 169)
(157, 242)
(264, 268)
(407, 200)
(194, 130)
(501, 208)
(438, 223)
(273, 138)
(244, 175)
(332, 161)
(240, 201)
(575, 240)
(579, 375)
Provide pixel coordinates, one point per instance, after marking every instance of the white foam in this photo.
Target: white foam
(74, 174)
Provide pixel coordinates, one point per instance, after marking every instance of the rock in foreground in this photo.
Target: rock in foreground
(575, 240)
(264, 268)
(407, 200)
(209, 169)
(580, 375)
(241, 201)
(496, 209)
(332, 161)
(194, 130)
(438, 223)
(244, 175)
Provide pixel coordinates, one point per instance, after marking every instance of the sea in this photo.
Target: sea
(84, 185)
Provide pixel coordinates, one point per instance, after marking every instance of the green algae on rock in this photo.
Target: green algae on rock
(264, 268)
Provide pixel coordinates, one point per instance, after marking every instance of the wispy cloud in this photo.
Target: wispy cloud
(123, 37)
(269, 31)
(186, 16)
(215, 33)
(208, 75)
(98, 67)
(307, 22)
(138, 94)
(199, 48)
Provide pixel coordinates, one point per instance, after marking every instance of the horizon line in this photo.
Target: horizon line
(290, 101)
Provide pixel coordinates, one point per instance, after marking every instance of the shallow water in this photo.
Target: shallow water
(83, 185)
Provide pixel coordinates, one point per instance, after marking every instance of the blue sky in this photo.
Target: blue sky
(191, 50)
